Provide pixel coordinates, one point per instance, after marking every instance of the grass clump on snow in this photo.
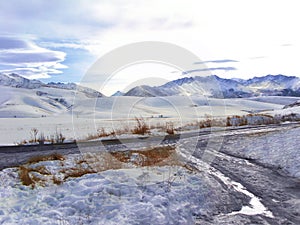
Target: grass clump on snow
(55, 168)
(141, 127)
(39, 158)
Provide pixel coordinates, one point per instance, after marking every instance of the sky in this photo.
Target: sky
(60, 40)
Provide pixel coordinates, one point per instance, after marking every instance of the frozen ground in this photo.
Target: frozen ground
(278, 149)
(124, 196)
(77, 119)
(247, 176)
(257, 185)
(171, 194)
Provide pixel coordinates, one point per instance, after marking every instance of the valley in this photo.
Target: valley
(70, 155)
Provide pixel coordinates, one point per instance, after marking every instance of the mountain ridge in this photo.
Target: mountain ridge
(18, 81)
(214, 86)
(210, 86)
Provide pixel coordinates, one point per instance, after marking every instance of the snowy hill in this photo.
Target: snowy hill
(17, 81)
(292, 105)
(21, 97)
(214, 86)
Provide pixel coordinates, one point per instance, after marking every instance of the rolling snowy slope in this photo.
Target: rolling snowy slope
(69, 108)
(21, 97)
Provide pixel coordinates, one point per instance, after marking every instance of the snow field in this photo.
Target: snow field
(147, 195)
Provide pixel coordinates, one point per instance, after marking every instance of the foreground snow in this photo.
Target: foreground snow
(157, 195)
(276, 149)
(167, 194)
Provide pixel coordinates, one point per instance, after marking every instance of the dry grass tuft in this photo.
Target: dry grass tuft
(170, 128)
(101, 132)
(29, 176)
(54, 156)
(78, 172)
(24, 176)
(56, 181)
(141, 127)
(41, 169)
(88, 163)
(160, 155)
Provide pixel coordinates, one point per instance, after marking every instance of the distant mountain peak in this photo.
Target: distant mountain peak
(17, 81)
(118, 93)
(215, 86)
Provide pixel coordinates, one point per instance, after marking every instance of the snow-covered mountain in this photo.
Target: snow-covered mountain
(214, 86)
(17, 81)
(145, 91)
(118, 93)
(21, 97)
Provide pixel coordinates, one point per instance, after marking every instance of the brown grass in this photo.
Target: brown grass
(24, 176)
(148, 157)
(157, 156)
(41, 170)
(54, 156)
(31, 175)
(37, 180)
(141, 127)
(56, 181)
(205, 123)
(78, 172)
(170, 128)
(102, 133)
(28, 178)
(92, 163)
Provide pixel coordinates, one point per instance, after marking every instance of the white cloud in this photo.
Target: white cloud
(28, 59)
(212, 29)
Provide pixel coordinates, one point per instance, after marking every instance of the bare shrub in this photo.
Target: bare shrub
(23, 142)
(59, 137)
(33, 133)
(170, 128)
(141, 127)
(113, 133)
(228, 121)
(41, 138)
(91, 137)
(205, 123)
(252, 119)
(51, 139)
(102, 133)
(125, 129)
